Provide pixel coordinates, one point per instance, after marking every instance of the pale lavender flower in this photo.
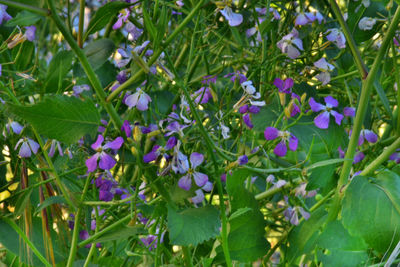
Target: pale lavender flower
(202, 96)
(200, 178)
(337, 37)
(122, 17)
(301, 19)
(271, 133)
(290, 44)
(368, 135)
(322, 120)
(314, 15)
(134, 31)
(233, 18)
(27, 147)
(79, 89)
(139, 99)
(180, 163)
(366, 23)
(54, 144)
(15, 126)
(324, 76)
(30, 33)
(106, 161)
(200, 193)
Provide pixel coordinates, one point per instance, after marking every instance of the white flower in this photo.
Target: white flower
(366, 23)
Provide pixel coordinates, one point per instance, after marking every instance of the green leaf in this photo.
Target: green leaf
(324, 163)
(63, 118)
(22, 202)
(98, 52)
(23, 18)
(193, 226)
(103, 16)
(59, 67)
(371, 210)
(246, 238)
(302, 239)
(343, 249)
(382, 96)
(121, 233)
(50, 201)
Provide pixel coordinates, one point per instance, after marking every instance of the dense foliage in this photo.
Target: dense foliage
(199, 133)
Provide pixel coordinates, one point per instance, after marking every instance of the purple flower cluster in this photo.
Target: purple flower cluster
(107, 162)
(285, 137)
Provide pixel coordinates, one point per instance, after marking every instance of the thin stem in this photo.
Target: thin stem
(33, 9)
(27, 241)
(382, 158)
(81, 22)
(94, 80)
(75, 234)
(349, 37)
(360, 115)
(186, 256)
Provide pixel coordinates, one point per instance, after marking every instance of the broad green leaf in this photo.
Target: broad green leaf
(121, 233)
(50, 201)
(103, 16)
(59, 67)
(302, 239)
(342, 248)
(24, 18)
(246, 238)
(98, 52)
(193, 226)
(371, 209)
(63, 118)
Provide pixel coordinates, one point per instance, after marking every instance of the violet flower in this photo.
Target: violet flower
(368, 135)
(359, 156)
(4, 16)
(202, 96)
(322, 120)
(236, 76)
(54, 144)
(290, 44)
(106, 161)
(280, 150)
(200, 178)
(233, 18)
(122, 17)
(337, 37)
(79, 89)
(27, 147)
(30, 33)
(349, 112)
(284, 86)
(247, 110)
(200, 194)
(140, 100)
(159, 150)
(15, 126)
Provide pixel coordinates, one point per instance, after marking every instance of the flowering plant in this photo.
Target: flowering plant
(199, 133)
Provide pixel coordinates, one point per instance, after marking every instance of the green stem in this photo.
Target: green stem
(349, 37)
(75, 234)
(153, 59)
(382, 158)
(81, 22)
(186, 256)
(94, 80)
(360, 115)
(27, 241)
(33, 9)
(105, 230)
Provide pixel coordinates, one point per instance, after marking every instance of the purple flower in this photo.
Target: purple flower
(140, 100)
(30, 33)
(78, 89)
(233, 18)
(284, 85)
(337, 37)
(368, 135)
(133, 30)
(15, 126)
(202, 96)
(242, 160)
(4, 16)
(359, 156)
(236, 76)
(159, 150)
(290, 44)
(349, 112)
(54, 144)
(209, 79)
(126, 127)
(322, 120)
(301, 19)
(106, 161)
(280, 150)
(200, 178)
(122, 17)
(27, 146)
(366, 23)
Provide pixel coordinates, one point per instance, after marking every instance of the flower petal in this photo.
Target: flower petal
(196, 159)
(91, 163)
(207, 187)
(293, 143)
(247, 121)
(349, 112)
(370, 136)
(271, 133)
(106, 161)
(280, 149)
(331, 102)
(322, 120)
(33, 145)
(338, 117)
(116, 144)
(98, 142)
(185, 182)
(24, 150)
(199, 196)
(132, 100)
(315, 106)
(200, 178)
